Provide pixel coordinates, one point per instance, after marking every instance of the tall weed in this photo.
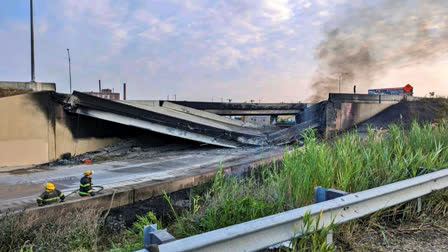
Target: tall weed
(351, 163)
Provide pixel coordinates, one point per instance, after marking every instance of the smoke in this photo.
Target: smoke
(370, 40)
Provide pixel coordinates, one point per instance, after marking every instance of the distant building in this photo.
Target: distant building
(407, 90)
(291, 119)
(106, 94)
(260, 120)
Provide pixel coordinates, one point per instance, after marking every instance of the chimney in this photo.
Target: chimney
(99, 85)
(124, 91)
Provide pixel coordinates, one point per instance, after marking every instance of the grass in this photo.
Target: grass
(351, 163)
(76, 229)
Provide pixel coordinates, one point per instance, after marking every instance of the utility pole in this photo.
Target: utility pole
(70, 70)
(339, 83)
(341, 75)
(32, 41)
(124, 91)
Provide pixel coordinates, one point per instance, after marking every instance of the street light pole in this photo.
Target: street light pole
(32, 41)
(70, 70)
(339, 83)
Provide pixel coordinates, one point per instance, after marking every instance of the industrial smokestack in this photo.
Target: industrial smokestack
(99, 85)
(124, 91)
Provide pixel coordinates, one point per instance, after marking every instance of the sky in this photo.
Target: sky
(261, 50)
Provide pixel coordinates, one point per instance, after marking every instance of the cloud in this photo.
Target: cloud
(277, 10)
(222, 58)
(324, 13)
(366, 43)
(152, 27)
(108, 15)
(240, 49)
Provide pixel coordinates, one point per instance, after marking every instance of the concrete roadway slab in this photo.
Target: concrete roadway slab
(20, 188)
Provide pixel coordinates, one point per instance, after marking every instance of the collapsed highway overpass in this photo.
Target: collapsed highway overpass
(40, 127)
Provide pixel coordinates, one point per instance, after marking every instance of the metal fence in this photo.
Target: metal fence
(264, 232)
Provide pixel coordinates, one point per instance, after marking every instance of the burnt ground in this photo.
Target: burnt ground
(134, 148)
(425, 110)
(121, 218)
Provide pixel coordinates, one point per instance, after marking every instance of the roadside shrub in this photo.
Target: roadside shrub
(351, 163)
(70, 230)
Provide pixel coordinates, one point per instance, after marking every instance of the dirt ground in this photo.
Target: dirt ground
(423, 234)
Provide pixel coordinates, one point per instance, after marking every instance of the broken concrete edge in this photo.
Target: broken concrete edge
(192, 124)
(126, 195)
(208, 115)
(228, 108)
(155, 127)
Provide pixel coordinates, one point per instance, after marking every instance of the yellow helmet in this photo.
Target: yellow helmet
(49, 186)
(88, 172)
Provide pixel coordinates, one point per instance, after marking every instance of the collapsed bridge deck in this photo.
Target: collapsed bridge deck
(181, 121)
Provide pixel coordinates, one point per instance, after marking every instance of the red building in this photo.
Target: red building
(106, 94)
(407, 90)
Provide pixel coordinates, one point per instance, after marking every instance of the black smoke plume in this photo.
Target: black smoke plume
(367, 40)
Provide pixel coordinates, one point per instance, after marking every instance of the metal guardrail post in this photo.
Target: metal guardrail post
(152, 238)
(147, 230)
(322, 194)
(270, 230)
(419, 204)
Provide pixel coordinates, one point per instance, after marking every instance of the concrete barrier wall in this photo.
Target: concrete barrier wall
(369, 98)
(344, 111)
(33, 86)
(343, 116)
(24, 131)
(35, 129)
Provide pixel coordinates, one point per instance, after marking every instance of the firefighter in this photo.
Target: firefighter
(85, 187)
(50, 195)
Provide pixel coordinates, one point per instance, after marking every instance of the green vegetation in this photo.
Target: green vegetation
(351, 163)
(75, 230)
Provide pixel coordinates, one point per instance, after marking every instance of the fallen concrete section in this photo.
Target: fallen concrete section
(234, 108)
(174, 120)
(40, 127)
(293, 133)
